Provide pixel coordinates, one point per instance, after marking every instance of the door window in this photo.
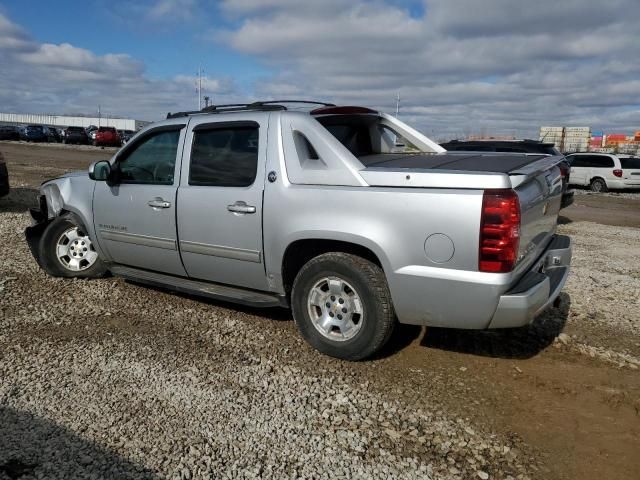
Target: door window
(152, 160)
(224, 156)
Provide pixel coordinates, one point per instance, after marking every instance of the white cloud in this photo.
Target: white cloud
(49, 78)
(173, 10)
(459, 65)
(465, 64)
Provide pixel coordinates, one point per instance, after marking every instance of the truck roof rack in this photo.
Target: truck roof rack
(265, 106)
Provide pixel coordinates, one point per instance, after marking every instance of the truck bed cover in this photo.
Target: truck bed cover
(476, 162)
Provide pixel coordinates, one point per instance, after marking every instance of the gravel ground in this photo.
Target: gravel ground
(632, 194)
(107, 379)
(184, 391)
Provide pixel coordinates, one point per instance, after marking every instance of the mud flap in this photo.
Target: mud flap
(33, 234)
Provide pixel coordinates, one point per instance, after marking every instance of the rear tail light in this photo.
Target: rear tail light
(499, 231)
(617, 173)
(564, 170)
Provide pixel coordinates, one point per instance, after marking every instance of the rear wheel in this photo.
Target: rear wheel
(599, 185)
(342, 306)
(67, 251)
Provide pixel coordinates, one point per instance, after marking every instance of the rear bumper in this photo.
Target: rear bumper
(537, 289)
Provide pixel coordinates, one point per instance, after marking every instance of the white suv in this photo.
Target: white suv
(602, 171)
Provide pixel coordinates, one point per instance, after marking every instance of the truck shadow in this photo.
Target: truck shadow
(513, 343)
(34, 447)
(19, 200)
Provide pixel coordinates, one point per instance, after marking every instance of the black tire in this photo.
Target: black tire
(47, 251)
(599, 185)
(369, 281)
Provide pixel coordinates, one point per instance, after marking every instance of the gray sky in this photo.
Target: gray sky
(460, 66)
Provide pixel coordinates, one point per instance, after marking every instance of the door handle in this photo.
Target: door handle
(241, 207)
(158, 203)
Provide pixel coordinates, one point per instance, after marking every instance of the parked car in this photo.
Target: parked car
(517, 146)
(52, 134)
(4, 177)
(603, 171)
(33, 133)
(91, 132)
(125, 135)
(266, 206)
(75, 135)
(9, 133)
(107, 137)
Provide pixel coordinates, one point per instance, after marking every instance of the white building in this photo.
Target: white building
(70, 121)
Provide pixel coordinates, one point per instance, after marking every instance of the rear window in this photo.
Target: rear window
(366, 136)
(75, 129)
(106, 129)
(629, 162)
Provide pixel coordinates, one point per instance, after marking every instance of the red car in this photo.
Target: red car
(107, 137)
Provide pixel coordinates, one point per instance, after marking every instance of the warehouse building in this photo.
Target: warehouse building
(70, 121)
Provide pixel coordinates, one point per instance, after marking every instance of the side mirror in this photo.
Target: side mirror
(100, 171)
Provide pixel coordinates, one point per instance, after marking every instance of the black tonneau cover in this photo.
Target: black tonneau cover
(468, 161)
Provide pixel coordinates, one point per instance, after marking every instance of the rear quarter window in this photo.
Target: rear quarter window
(630, 163)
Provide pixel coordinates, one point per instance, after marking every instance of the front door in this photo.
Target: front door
(135, 216)
(220, 200)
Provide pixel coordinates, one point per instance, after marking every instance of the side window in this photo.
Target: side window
(224, 157)
(152, 161)
(603, 162)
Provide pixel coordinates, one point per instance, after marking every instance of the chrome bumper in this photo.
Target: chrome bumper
(537, 289)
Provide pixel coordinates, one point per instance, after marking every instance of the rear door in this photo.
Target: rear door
(220, 199)
(135, 216)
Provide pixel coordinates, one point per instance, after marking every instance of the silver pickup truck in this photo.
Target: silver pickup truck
(346, 215)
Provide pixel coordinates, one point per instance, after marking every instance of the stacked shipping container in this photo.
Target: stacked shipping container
(552, 135)
(567, 139)
(576, 139)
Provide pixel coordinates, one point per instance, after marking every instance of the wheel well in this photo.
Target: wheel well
(597, 178)
(301, 251)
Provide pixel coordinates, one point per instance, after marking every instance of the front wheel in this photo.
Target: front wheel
(342, 306)
(67, 251)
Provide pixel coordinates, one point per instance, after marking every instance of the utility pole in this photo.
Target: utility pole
(199, 87)
(98, 115)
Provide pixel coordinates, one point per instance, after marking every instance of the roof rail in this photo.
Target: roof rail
(269, 105)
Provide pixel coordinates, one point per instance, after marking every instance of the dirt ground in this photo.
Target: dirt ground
(565, 391)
